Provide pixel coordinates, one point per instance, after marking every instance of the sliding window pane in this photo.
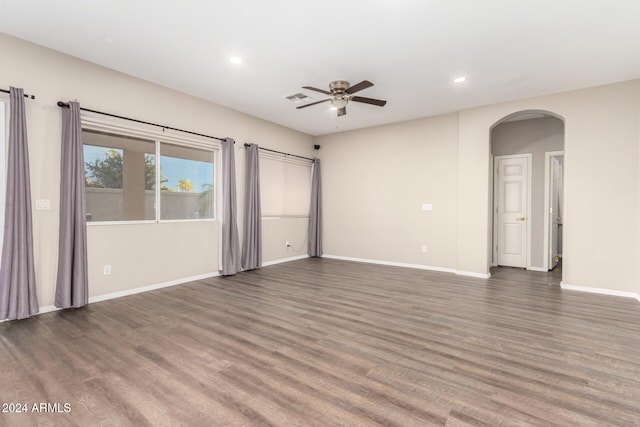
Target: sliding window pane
(187, 183)
(120, 175)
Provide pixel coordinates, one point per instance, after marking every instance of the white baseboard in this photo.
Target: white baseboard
(602, 291)
(280, 261)
(541, 269)
(391, 263)
(141, 289)
(417, 266)
(112, 295)
(473, 274)
(48, 309)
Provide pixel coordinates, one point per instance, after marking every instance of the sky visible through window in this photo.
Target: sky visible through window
(173, 169)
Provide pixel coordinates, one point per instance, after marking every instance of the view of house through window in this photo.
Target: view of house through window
(122, 174)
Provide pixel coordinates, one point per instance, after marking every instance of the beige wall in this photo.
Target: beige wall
(375, 181)
(535, 136)
(276, 232)
(600, 245)
(142, 254)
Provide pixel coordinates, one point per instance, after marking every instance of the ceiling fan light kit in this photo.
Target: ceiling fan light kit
(339, 102)
(341, 93)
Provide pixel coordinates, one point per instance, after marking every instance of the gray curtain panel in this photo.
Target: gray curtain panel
(72, 286)
(315, 212)
(18, 298)
(230, 240)
(252, 238)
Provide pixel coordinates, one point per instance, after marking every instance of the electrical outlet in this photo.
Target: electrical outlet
(424, 249)
(107, 270)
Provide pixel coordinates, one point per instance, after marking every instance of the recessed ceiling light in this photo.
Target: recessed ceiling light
(235, 60)
(459, 79)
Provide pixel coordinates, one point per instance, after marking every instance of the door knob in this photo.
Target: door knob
(521, 218)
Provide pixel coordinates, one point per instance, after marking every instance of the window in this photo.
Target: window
(124, 181)
(186, 182)
(285, 186)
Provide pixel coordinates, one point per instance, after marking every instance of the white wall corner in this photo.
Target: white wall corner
(602, 291)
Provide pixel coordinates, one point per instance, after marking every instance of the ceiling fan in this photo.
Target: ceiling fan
(341, 93)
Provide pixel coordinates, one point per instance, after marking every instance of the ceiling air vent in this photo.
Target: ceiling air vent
(298, 97)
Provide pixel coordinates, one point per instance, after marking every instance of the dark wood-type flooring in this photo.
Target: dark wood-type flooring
(323, 342)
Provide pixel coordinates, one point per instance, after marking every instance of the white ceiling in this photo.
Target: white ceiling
(410, 50)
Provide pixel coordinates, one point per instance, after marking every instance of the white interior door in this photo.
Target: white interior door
(555, 217)
(512, 209)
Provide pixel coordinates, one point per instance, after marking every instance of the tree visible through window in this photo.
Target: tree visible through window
(188, 191)
(120, 179)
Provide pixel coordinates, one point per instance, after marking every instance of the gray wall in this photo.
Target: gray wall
(535, 136)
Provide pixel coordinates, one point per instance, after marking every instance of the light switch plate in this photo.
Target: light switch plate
(43, 204)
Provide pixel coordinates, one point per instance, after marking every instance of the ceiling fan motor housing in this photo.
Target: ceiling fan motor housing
(338, 86)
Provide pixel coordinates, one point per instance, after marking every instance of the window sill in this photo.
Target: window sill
(143, 222)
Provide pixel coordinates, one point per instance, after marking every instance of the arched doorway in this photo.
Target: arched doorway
(528, 155)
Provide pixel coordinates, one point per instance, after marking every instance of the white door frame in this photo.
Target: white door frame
(547, 194)
(495, 159)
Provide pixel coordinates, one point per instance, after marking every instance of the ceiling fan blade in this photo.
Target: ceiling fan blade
(358, 87)
(317, 90)
(342, 111)
(313, 103)
(378, 102)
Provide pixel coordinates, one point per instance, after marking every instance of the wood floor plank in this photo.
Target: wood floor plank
(322, 342)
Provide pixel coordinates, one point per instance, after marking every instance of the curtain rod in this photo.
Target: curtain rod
(66, 105)
(317, 147)
(25, 95)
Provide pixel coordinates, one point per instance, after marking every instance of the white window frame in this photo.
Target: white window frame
(101, 123)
